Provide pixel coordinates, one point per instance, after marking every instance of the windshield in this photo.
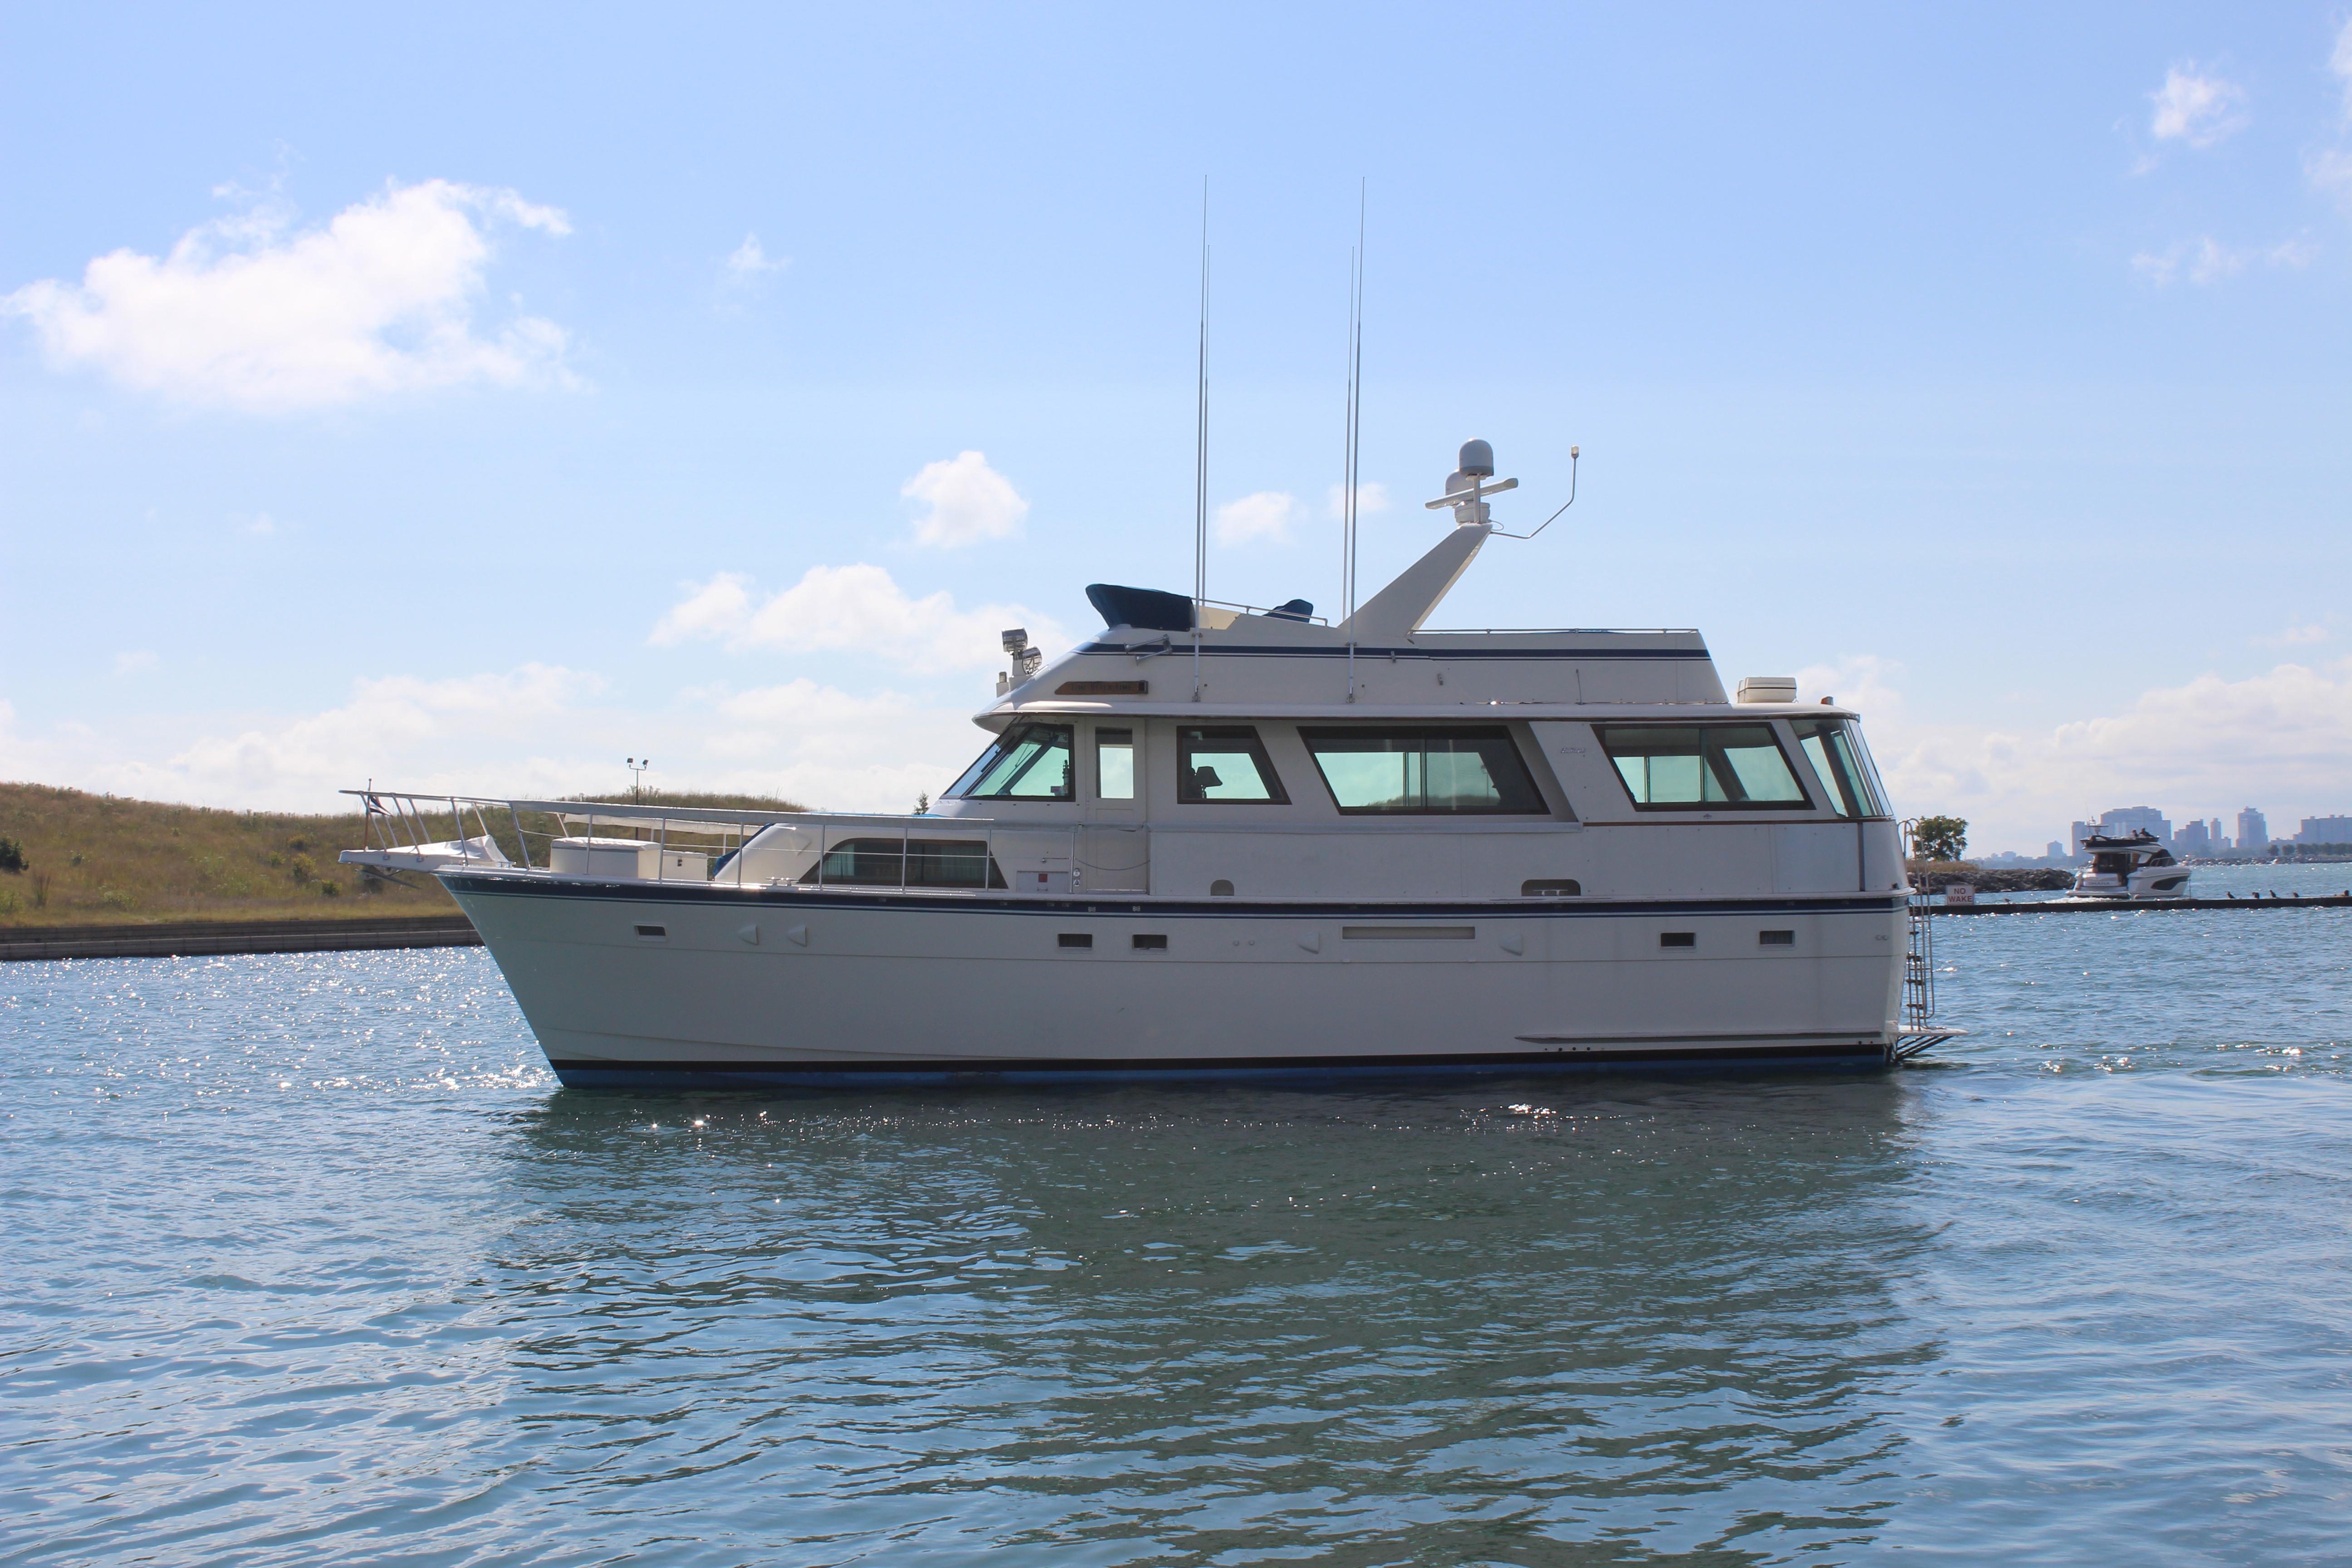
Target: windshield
(1030, 761)
(1834, 748)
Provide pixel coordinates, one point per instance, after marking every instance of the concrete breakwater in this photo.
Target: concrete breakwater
(1934, 877)
(200, 938)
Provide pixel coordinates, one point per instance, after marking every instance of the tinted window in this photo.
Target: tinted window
(930, 863)
(1030, 761)
(1422, 770)
(1224, 762)
(1843, 767)
(1701, 764)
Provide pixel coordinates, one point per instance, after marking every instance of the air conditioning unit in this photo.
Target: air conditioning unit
(1767, 689)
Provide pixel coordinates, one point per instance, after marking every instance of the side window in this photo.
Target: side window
(1114, 764)
(1031, 761)
(1219, 764)
(1423, 771)
(1667, 765)
(1843, 768)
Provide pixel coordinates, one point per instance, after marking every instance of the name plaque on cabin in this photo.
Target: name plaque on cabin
(1103, 688)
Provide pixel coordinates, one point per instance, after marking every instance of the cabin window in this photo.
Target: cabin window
(1029, 762)
(1834, 749)
(1723, 765)
(930, 863)
(1216, 764)
(1424, 769)
(1114, 764)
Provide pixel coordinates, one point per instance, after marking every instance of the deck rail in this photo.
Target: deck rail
(406, 823)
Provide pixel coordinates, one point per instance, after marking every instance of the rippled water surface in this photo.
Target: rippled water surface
(307, 1260)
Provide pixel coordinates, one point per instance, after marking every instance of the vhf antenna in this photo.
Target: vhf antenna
(1351, 466)
(1200, 456)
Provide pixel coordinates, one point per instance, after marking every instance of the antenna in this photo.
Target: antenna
(1572, 454)
(1350, 469)
(1200, 456)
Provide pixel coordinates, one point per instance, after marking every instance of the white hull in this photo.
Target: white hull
(792, 986)
(2156, 882)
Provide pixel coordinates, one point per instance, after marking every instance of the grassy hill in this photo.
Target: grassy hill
(95, 859)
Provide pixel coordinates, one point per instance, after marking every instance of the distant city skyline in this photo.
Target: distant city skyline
(2197, 837)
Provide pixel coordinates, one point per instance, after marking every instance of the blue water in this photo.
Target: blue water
(308, 1259)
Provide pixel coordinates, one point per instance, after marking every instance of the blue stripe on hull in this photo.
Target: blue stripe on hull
(1860, 1057)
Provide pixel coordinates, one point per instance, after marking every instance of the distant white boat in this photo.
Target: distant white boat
(1215, 839)
(2135, 865)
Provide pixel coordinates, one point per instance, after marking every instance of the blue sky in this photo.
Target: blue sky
(471, 402)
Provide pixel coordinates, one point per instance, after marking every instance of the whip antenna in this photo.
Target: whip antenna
(1200, 456)
(1351, 466)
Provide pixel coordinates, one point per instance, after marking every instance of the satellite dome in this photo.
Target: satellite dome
(1477, 460)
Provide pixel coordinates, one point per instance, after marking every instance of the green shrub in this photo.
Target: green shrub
(12, 855)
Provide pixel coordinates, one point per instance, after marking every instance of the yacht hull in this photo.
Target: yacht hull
(636, 985)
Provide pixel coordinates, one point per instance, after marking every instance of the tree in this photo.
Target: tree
(12, 854)
(1939, 838)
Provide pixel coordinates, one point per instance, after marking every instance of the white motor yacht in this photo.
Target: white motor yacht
(1220, 840)
(2134, 865)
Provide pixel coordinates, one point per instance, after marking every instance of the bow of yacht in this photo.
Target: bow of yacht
(1220, 840)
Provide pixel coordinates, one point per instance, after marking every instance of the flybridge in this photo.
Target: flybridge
(1381, 655)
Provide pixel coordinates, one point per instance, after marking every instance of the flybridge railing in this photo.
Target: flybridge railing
(404, 822)
(1265, 610)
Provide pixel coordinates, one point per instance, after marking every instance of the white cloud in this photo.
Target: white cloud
(2199, 110)
(967, 502)
(1265, 517)
(857, 609)
(2340, 62)
(260, 524)
(2206, 260)
(2281, 740)
(534, 732)
(470, 733)
(245, 313)
(1370, 497)
(2298, 635)
(749, 263)
(815, 743)
(134, 661)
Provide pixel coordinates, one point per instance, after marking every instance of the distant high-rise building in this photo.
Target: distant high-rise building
(2219, 843)
(2130, 818)
(2055, 853)
(2326, 830)
(2253, 833)
(2192, 839)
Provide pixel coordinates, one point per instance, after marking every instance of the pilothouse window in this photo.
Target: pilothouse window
(1424, 769)
(1731, 765)
(1114, 764)
(1029, 762)
(1223, 764)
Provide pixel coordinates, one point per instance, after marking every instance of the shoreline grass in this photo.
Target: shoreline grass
(102, 859)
